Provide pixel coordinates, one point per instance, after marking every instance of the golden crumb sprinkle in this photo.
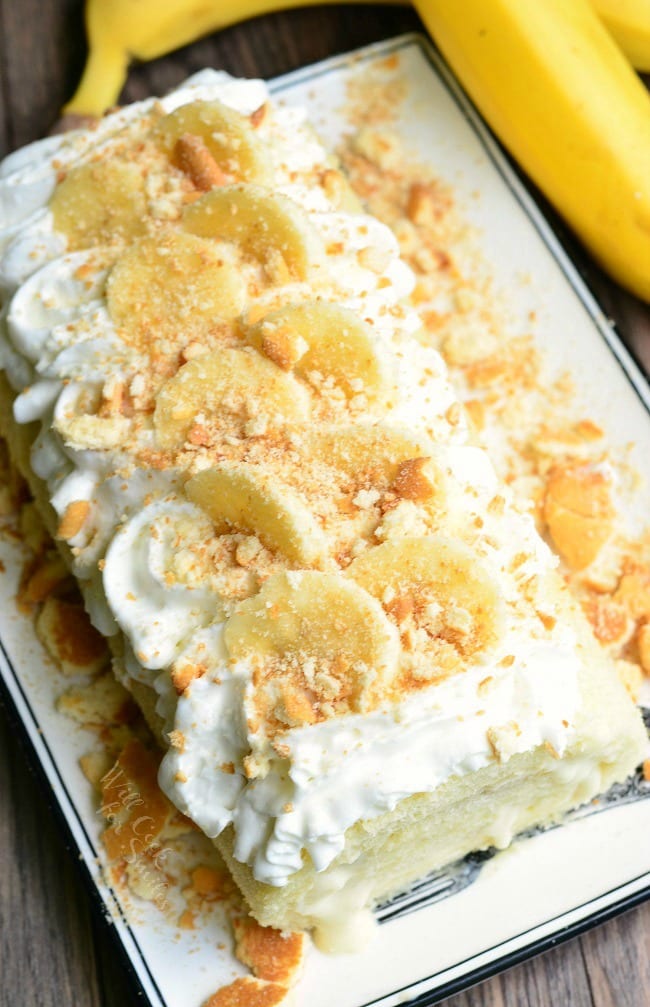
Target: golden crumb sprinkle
(412, 481)
(100, 703)
(514, 367)
(70, 637)
(400, 607)
(454, 414)
(380, 147)
(475, 410)
(609, 619)
(633, 591)
(643, 642)
(257, 117)
(187, 919)
(133, 803)
(503, 740)
(631, 675)
(252, 769)
(578, 512)
(548, 621)
(94, 765)
(177, 740)
(497, 505)
(211, 884)
(73, 520)
(248, 993)
(113, 398)
(279, 345)
(295, 707)
(269, 953)
(40, 578)
(183, 674)
(194, 158)
(426, 203)
(581, 488)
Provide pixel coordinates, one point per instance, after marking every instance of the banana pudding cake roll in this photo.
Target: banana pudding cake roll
(355, 650)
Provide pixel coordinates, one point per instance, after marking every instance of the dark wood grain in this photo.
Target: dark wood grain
(53, 951)
(621, 979)
(46, 941)
(43, 50)
(4, 91)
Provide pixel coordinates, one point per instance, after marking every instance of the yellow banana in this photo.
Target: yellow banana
(563, 99)
(121, 30)
(545, 73)
(629, 22)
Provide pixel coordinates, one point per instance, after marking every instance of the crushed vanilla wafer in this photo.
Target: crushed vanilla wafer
(270, 954)
(153, 852)
(248, 993)
(555, 459)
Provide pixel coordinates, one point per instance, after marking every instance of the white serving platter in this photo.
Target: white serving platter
(489, 912)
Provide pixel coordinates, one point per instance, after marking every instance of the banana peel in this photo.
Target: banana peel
(546, 74)
(122, 30)
(628, 21)
(119, 31)
(563, 99)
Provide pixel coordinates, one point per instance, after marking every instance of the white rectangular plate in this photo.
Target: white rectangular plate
(492, 912)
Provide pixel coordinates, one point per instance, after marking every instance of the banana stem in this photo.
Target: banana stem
(102, 81)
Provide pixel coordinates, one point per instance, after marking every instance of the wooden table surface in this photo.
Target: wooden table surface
(54, 952)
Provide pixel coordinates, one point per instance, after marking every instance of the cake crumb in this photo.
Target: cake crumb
(68, 635)
(73, 519)
(248, 993)
(270, 954)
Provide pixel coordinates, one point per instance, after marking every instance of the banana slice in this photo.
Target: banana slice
(438, 593)
(224, 391)
(243, 498)
(269, 226)
(171, 284)
(101, 202)
(326, 338)
(319, 646)
(228, 136)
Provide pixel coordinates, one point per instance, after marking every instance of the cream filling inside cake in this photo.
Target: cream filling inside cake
(336, 604)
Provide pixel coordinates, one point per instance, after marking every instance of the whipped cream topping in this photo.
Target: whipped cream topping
(61, 351)
(158, 611)
(325, 777)
(356, 767)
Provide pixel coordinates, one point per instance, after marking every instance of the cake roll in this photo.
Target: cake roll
(354, 648)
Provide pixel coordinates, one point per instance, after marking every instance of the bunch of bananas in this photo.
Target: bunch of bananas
(552, 77)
